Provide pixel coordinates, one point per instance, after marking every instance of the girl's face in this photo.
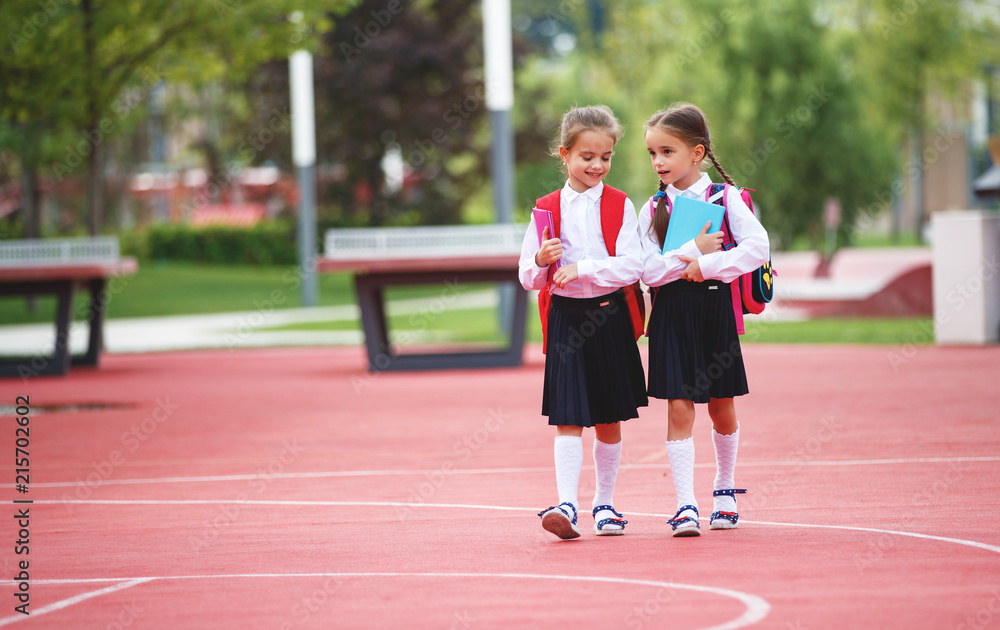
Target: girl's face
(588, 161)
(674, 161)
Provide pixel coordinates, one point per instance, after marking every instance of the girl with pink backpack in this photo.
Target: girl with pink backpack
(694, 346)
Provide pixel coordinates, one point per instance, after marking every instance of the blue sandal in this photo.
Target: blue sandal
(725, 520)
(599, 525)
(557, 520)
(688, 525)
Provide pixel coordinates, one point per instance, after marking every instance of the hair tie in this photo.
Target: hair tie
(659, 195)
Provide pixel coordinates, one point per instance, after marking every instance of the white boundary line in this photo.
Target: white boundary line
(492, 471)
(756, 607)
(76, 599)
(957, 541)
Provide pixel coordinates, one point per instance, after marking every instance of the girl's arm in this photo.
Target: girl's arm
(531, 275)
(625, 267)
(752, 250)
(660, 269)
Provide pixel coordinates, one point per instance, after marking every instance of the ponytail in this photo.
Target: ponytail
(661, 218)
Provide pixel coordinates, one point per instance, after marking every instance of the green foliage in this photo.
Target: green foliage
(165, 288)
(266, 243)
(802, 103)
(72, 71)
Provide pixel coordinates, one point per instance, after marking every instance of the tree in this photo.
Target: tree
(783, 108)
(403, 80)
(66, 64)
(909, 51)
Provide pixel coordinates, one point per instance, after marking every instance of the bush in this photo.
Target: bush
(269, 242)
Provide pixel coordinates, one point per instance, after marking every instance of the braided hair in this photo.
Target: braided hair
(689, 124)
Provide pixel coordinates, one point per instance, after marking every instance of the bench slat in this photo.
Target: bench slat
(423, 241)
(58, 251)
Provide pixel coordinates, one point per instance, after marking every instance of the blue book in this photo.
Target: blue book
(687, 218)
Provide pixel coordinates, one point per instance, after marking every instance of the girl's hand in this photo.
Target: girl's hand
(550, 251)
(564, 275)
(708, 243)
(693, 271)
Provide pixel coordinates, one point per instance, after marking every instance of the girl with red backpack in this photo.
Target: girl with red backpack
(585, 268)
(694, 347)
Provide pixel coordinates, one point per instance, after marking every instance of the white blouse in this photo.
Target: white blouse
(583, 244)
(752, 250)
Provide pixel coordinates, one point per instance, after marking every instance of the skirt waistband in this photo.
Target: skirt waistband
(691, 286)
(593, 302)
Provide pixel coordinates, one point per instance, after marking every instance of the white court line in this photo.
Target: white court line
(130, 582)
(492, 471)
(957, 541)
(756, 607)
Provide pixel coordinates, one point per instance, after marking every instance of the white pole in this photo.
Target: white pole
(499, 101)
(499, 55)
(499, 61)
(300, 74)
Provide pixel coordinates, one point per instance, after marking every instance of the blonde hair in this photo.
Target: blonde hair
(598, 118)
(690, 125)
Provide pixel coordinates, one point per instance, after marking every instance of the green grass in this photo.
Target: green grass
(480, 325)
(906, 239)
(864, 239)
(185, 288)
(473, 325)
(918, 330)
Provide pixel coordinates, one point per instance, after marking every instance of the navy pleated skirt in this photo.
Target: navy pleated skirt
(593, 372)
(694, 348)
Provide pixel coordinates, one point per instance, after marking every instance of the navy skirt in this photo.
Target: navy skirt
(593, 372)
(694, 349)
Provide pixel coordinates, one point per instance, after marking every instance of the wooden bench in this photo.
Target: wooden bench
(57, 267)
(382, 257)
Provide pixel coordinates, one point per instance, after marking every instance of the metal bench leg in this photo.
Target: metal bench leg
(518, 319)
(59, 364)
(95, 319)
(371, 301)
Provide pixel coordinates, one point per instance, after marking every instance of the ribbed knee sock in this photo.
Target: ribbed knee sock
(681, 456)
(607, 458)
(726, 447)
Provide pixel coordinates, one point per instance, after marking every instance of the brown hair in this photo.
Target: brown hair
(688, 123)
(591, 118)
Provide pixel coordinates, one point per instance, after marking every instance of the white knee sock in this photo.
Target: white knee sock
(681, 456)
(725, 467)
(569, 461)
(607, 458)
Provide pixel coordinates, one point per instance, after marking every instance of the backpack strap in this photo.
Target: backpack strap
(612, 207)
(612, 211)
(727, 237)
(711, 191)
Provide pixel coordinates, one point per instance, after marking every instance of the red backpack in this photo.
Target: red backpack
(755, 288)
(612, 207)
